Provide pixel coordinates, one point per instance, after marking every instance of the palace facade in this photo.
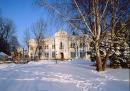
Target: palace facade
(61, 46)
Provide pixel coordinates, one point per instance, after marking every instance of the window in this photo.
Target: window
(61, 45)
(46, 54)
(53, 54)
(53, 46)
(72, 45)
(46, 46)
(82, 45)
(73, 54)
(82, 54)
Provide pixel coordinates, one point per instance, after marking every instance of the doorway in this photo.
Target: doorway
(62, 55)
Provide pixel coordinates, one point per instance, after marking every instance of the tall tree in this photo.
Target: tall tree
(27, 38)
(38, 30)
(7, 35)
(98, 18)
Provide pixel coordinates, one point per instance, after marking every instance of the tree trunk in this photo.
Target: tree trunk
(35, 54)
(39, 55)
(98, 58)
(105, 59)
(104, 65)
(98, 33)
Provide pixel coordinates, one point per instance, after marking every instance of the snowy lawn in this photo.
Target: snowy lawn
(74, 75)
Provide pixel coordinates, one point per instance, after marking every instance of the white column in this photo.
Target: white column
(76, 51)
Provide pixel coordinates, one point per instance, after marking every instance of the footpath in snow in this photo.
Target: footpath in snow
(76, 75)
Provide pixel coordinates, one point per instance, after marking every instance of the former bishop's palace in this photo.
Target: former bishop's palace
(62, 46)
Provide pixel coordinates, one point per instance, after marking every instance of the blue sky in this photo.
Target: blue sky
(23, 13)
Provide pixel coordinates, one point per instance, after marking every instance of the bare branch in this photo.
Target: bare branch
(83, 17)
(104, 9)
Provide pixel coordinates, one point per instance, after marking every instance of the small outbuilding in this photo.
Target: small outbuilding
(4, 58)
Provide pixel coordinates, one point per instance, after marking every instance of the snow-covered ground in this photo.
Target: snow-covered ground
(76, 75)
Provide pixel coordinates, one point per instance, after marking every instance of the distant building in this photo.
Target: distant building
(62, 46)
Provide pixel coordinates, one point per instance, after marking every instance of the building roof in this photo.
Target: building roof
(3, 54)
(61, 32)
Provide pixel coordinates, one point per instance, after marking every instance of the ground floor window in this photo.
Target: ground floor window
(47, 54)
(53, 54)
(82, 54)
(73, 54)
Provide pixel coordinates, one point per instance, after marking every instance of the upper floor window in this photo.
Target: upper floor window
(46, 46)
(61, 45)
(82, 45)
(53, 46)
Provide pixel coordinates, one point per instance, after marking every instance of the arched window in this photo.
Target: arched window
(61, 45)
(46, 46)
(72, 45)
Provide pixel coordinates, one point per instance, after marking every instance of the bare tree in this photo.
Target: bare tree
(8, 38)
(38, 30)
(95, 17)
(27, 37)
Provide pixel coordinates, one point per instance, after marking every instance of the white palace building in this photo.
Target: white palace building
(62, 46)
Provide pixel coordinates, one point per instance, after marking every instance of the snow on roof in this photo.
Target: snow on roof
(61, 32)
(3, 54)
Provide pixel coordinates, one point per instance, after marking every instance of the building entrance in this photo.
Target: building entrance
(62, 55)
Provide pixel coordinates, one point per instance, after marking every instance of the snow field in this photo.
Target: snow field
(75, 75)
